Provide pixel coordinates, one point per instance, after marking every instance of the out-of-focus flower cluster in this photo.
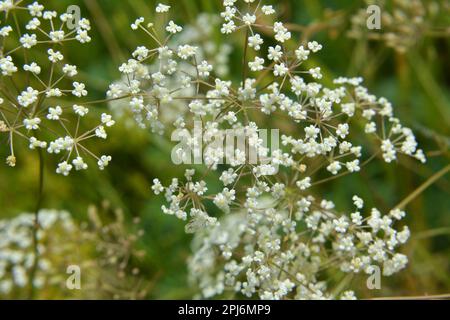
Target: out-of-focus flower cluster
(275, 252)
(16, 250)
(404, 23)
(102, 251)
(32, 95)
(278, 248)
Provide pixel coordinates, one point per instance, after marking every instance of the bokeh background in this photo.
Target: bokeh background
(407, 61)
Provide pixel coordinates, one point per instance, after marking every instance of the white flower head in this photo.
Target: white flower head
(161, 8)
(173, 28)
(54, 113)
(104, 161)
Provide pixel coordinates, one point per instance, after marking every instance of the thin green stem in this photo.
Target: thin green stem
(422, 187)
(244, 60)
(36, 224)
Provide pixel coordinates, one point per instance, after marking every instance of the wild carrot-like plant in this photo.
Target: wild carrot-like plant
(262, 224)
(279, 238)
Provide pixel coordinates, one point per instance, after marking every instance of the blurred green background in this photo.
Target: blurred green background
(417, 81)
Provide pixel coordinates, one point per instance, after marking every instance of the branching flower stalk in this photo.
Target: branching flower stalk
(38, 106)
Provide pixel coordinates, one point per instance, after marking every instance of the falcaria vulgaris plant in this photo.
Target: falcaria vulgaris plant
(278, 238)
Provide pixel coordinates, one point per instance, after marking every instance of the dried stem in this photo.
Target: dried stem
(427, 297)
(422, 188)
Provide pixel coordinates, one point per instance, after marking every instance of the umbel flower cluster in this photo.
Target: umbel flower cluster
(101, 250)
(32, 104)
(277, 238)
